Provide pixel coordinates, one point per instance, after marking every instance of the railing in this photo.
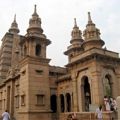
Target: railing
(88, 116)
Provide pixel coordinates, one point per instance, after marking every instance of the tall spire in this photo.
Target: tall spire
(89, 18)
(15, 18)
(35, 25)
(35, 11)
(76, 33)
(75, 22)
(14, 26)
(91, 32)
(76, 41)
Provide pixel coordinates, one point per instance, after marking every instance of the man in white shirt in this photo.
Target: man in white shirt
(6, 115)
(99, 112)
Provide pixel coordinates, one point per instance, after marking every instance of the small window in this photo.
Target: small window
(39, 72)
(23, 72)
(38, 50)
(22, 100)
(71, 55)
(4, 103)
(40, 99)
(17, 101)
(17, 89)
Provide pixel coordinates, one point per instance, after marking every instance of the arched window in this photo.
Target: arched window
(107, 86)
(62, 103)
(86, 93)
(53, 101)
(38, 50)
(68, 104)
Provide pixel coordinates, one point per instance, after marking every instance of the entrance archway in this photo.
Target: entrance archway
(86, 93)
(68, 102)
(53, 100)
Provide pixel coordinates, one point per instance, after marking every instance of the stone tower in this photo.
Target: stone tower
(35, 71)
(8, 48)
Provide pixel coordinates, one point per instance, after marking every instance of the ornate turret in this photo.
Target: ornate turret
(76, 34)
(35, 25)
(92, 35)
(35, 42)
(14, 27)
(76, 41)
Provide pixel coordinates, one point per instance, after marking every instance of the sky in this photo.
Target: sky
(57, 18)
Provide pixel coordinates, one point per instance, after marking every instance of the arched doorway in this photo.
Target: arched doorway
(68, 102)
(53, 101)
(62, 103)
(86, 93)
(107, 85)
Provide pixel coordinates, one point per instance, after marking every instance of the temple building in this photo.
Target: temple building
(31, 88)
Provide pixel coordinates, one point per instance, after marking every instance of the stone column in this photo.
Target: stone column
(58, 103)
(118, 106)
(75, 98)
(12, 98)
(71, 102)
(96, 89)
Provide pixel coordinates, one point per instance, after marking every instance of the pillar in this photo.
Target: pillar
(75, 100)
(118, 106)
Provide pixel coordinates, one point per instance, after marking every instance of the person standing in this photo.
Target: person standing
(74, 117)
(5, 115)
(114, 104)
(106, 103)
(99, 113)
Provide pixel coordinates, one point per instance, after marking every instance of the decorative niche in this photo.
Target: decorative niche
(23, 100)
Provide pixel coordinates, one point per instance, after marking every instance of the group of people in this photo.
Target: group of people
(110, 104)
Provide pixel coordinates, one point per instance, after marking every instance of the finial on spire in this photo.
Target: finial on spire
(75, 22)
(14, 26)
(15, 18)
(89, 18)
(76, 33)
(35, 9)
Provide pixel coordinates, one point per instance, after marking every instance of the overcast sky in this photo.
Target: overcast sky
(57, 21)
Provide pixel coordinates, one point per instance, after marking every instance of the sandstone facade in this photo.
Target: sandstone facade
(30, 88)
